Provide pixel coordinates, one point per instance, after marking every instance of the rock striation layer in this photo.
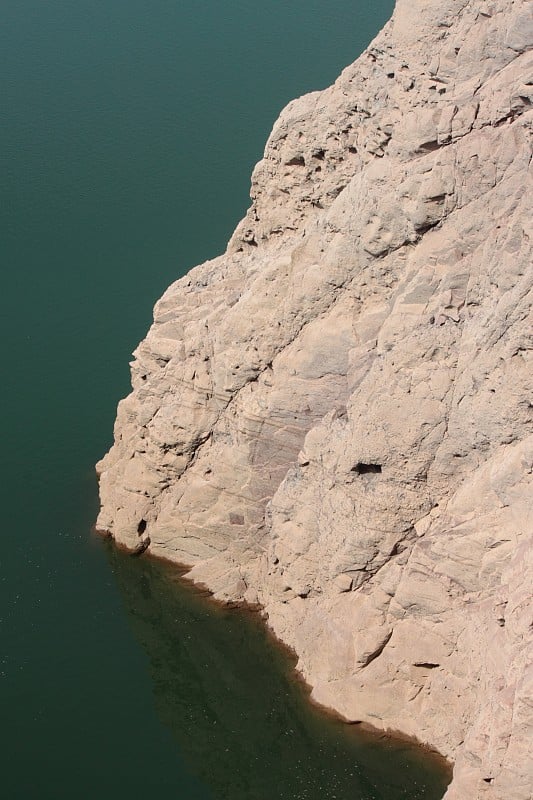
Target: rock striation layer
(333, 420)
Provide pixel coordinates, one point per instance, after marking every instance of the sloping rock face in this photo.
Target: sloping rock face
(334, 418)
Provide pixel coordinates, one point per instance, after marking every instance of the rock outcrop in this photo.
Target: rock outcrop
(333, 420)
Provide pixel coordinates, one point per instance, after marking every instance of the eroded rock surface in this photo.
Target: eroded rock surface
(334, 418)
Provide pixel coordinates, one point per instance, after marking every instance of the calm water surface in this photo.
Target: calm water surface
(129, 130)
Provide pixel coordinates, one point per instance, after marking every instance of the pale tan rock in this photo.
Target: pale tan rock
(343, 582)
(333, 420)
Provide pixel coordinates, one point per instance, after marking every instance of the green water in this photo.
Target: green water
(129, 130)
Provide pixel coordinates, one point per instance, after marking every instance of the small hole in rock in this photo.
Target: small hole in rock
(297, 161)
(365, 469)
(141, 527)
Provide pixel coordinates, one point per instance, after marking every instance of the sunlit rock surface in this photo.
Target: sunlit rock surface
(334, 418)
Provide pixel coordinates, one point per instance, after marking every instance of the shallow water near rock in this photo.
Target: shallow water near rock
(130, 130)
(243, 722)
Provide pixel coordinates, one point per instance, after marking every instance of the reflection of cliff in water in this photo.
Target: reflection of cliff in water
(242, 723)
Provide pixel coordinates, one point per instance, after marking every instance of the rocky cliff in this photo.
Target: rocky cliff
(334, 419)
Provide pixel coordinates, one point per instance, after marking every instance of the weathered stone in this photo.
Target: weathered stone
(343, 582)
(334, 418)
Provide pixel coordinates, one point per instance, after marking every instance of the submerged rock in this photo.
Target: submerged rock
(334, 418)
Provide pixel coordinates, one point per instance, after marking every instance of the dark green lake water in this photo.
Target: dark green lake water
(129, 130)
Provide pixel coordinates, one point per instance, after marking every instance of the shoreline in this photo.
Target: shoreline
(344, 393)
(176, 572)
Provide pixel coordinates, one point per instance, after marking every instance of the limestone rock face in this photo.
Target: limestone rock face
(334, 418)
